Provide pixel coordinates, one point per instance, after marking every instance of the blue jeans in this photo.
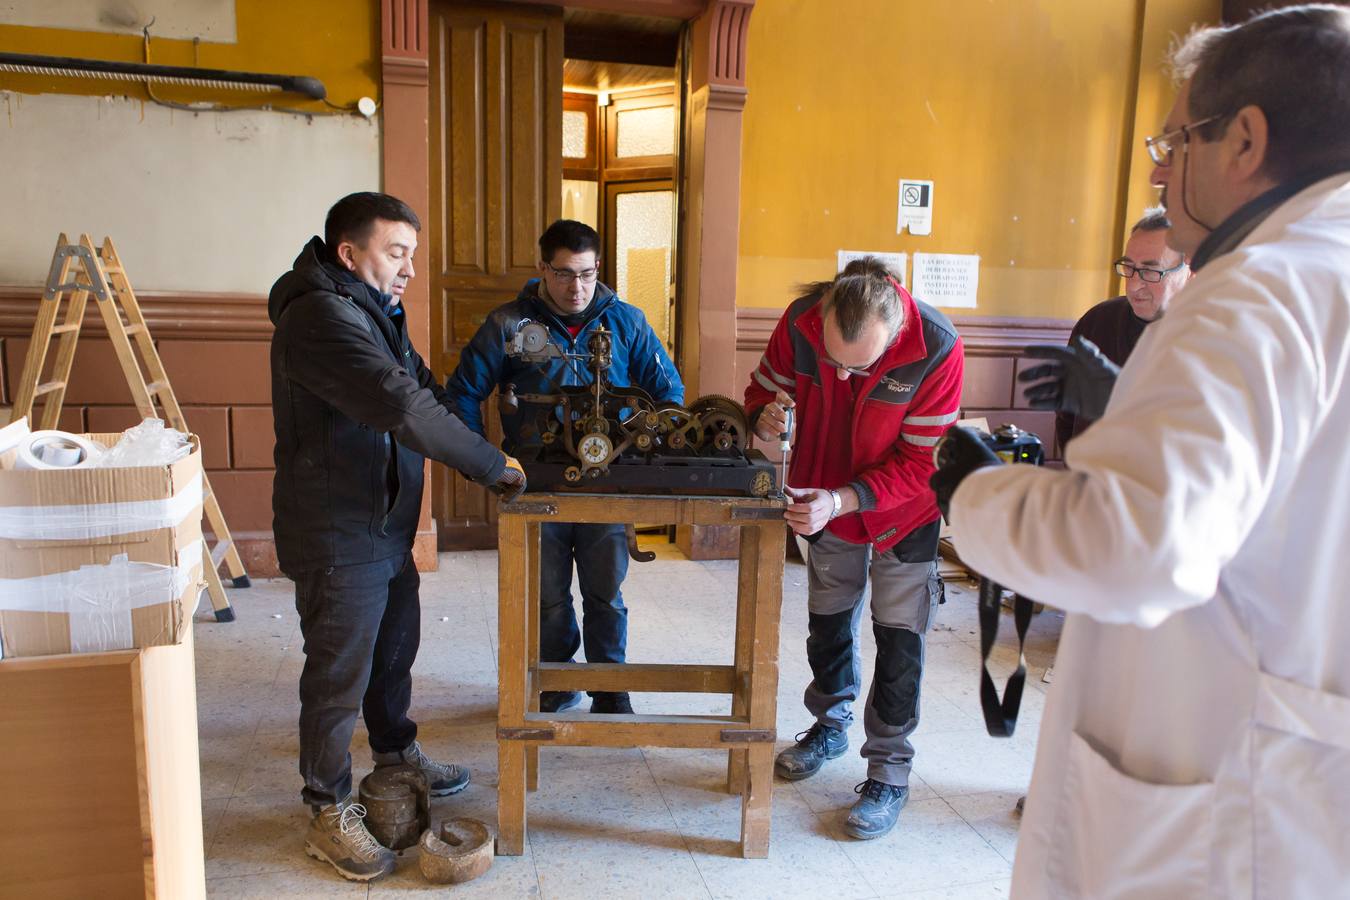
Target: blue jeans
(362, 626)
(601, 556)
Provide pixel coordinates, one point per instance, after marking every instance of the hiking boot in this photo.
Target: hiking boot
(815, 745)
(444, 779)
(876, 811)
(605, 702)
(558, 701)
(339, 837)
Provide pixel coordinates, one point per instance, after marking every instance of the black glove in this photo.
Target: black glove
(511, 483)
(1078, 380)
(959, 453)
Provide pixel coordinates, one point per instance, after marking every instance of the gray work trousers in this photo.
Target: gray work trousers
(905, 589)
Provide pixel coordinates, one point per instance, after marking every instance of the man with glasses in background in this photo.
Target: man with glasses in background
(874, 378)
(570, 300)
(1107, 333)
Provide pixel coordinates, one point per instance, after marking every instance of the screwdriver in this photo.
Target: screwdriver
(784, 445)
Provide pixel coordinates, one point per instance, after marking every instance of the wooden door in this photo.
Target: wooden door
(496, 183)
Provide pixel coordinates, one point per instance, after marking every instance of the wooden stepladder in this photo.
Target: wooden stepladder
(79, 271)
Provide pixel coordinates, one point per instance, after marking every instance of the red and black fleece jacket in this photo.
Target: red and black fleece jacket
(874, 433)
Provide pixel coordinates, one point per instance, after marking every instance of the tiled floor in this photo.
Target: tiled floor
(619, 823)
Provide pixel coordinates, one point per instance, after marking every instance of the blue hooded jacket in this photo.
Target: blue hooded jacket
(639, 359)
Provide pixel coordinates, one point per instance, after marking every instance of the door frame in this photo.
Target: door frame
(714, 97)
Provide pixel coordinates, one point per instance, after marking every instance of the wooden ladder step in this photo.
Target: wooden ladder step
(135, 329)
(47, 387)
(157, 387)
(66, 328)
(218, 552)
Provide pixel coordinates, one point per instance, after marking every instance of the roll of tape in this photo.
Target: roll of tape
(56, 450)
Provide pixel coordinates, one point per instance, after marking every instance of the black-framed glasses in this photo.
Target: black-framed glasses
(1161, 147)
(1126, 269)
(567, 276)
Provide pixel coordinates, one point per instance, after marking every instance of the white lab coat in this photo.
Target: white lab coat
(1196, 740)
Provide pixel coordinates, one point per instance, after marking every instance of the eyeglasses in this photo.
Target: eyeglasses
(860, 371)
(1160, 147)
(567, 276)
(1126, 269)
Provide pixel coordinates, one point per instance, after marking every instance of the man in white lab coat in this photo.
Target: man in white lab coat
(1196, 742)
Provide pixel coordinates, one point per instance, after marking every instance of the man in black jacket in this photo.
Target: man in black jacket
(356, 412)
(1153, 273)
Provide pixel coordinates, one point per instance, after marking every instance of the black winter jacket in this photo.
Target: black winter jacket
(356, 411)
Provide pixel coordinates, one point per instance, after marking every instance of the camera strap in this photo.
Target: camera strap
(1000, 716)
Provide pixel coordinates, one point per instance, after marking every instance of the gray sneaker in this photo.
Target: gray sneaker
(445, 778)
(877, 809)
(339, 837)
(814, 746)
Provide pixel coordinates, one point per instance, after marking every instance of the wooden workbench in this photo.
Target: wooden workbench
(751, 680)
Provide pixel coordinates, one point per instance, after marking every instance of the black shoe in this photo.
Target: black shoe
(815, 745)
(604, 702)
(557, 701)
(877, 809)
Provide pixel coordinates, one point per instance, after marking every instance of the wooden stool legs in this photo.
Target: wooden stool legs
(752, 680)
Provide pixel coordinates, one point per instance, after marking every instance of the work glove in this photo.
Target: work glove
(1078, 378)
(511, 483)
(959, 453)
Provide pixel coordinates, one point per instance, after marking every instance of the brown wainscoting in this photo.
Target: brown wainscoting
(993, 347)
(215, 317)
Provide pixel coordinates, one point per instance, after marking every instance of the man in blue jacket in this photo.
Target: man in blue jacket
(569, 299)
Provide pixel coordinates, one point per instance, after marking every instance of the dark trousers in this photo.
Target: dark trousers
(361, 625)
(601, 556)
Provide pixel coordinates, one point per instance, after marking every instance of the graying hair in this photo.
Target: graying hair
(1153, 219)
(1294, 65)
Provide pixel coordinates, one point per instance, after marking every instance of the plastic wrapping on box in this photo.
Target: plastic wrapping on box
(82, 522)
(150, 443)
(100, 599)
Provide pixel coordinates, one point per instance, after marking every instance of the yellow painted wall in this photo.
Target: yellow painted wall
(1020, 112)
(336, 41)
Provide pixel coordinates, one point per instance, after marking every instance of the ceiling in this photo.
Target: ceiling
(607, 51)
(587, 76)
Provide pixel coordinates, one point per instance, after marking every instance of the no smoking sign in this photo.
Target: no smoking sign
(916, 207)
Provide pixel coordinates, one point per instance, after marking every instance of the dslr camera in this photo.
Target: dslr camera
(1013, 445)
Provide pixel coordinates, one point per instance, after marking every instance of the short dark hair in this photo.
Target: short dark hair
(353, 217)
(1293, 64)
(861, 293)
(1153, 219)
(568, 234)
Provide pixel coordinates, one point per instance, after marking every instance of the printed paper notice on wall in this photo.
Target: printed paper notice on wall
(895, 263)
(916, 207)
(947, 279)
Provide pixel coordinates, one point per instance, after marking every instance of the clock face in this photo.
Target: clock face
(594, 449)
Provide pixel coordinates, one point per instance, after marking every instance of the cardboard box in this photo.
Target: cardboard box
(95, 559)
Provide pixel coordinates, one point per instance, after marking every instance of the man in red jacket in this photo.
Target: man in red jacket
(874, 378)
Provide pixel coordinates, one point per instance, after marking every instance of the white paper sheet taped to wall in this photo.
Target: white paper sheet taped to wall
(100, 599)
(947, 279)
(82, 522)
